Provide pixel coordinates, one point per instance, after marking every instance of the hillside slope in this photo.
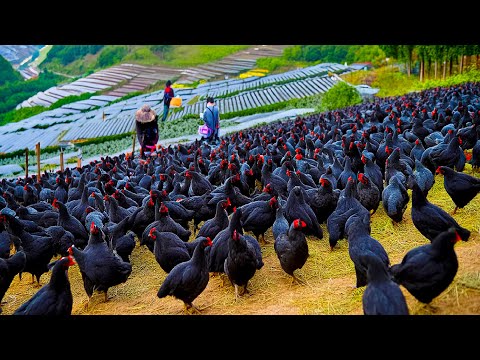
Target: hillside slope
(7, 72)
(81, 59)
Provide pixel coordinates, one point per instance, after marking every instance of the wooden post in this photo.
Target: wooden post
(79, 160)
(133, 146)
(61, 161)
(26, 162)
(37, 150)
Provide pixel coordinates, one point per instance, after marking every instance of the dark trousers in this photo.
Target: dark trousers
(165, 112)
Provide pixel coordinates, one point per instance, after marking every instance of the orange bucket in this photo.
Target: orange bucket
(176, 102)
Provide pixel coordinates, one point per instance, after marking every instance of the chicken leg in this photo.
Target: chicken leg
(263, 241)
(87, 303)
(190, 309)
(38, 281)
(236, 292)
(297, 280)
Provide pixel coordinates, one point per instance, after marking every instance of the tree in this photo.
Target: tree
(406, 55)
(422, 51)
(391, 51)
(368, 53)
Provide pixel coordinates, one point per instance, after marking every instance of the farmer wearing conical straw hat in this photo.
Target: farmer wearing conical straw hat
(146, 122)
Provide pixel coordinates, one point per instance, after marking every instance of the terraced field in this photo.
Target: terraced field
(96, 116)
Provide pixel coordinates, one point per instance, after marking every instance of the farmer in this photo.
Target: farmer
(146, 121)
(211, 118)
(168, 94)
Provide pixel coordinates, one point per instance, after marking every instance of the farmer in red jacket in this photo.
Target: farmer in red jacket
(168, 94)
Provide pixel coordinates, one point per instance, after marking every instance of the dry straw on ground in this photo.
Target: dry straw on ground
(329, 277)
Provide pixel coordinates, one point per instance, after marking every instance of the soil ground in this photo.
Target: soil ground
(329, 277)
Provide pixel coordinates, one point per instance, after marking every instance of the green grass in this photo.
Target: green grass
(72, 98)
(20, 114)
(192, 55)
(178, 56)
(391, 82)
(279, 64)
(78, 67)
(46, 126)
(143, 55)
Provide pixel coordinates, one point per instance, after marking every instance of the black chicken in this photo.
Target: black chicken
(259, 216)
(430, 219)
(188, 279)
(38, 250)
(120, 238)
(368, 193)
(8, 269)
(461, 188)
(62, 239)
(395, 199)
(100, 267)
(382, 296)
(163, 223)
(423, 177)
(280, 225)
(427, 270)
(169, 249)
(347, 205)
(54, 298)
(292, 248)
(360, 243)
(71, 223)
(323, 200)
(241, 262)
(213, 226)
(297, 208)
(451, 155)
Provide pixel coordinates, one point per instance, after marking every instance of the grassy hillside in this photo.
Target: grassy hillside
(393, 82)
(7, 72)
(82, 59)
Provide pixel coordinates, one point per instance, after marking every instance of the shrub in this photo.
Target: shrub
(340, 96)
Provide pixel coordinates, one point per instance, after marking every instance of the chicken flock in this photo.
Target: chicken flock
(332, 168)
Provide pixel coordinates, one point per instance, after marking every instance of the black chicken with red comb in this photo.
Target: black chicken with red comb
(292, 248)
(100, 266)
(259, 216)
(427, 270)
(297, 208)
(430, 219)
(54, 298)
(187, 280)
(461, 188)
(169, 249)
